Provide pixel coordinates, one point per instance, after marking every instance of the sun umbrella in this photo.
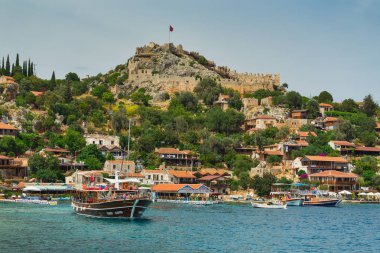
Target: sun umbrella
(371, 194)
(345, 192)
(362, 194)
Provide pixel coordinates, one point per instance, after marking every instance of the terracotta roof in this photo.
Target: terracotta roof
(181, 174)
(377, 125)
(331, 119)
(367, 149)
(7, 126)
(5, 157)
(136, 175)
(302, 143)
(211, 178)
(120, 162)
(154, 171)
(273, 152)
(264, 117)
(343, 143)
(306, 134)
(172, 151)
(173, 187)
(326, 159)
(212, 171)
(62, 150)
(37, 93)
(325, 105)
(334, 173)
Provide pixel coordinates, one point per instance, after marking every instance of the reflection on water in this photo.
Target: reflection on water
(187, 228)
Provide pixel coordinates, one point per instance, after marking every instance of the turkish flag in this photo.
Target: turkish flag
(171, 28)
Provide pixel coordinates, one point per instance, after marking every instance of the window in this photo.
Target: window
(112, 142)
(101, 142)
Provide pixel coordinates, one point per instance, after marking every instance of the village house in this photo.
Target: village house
(123, 166)
(344, 147)
(260, 122)
(222, 102)
(181, 177)
(217, 183)
(102, 140)
(7, 130)
(372, 151)
(175, 191)
(159, 176)
(299, 114)
(313, 164)
(303, 135)
(330, 123)
(289, 146)
(213, 172)
(377, 127)
(336, 180)
(12, 168)
(115, 151)
(323, 108)
(180, 159)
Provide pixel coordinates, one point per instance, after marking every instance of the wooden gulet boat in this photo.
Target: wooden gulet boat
(111, 203)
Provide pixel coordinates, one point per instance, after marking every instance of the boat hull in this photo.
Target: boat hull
(295, 202)
(133, 208)
(328, 203)
(259, 205)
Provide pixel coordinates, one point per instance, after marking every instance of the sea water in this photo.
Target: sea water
(186, 228)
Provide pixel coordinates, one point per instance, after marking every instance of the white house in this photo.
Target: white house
(159, 176)
(102, 140)
(125, 167)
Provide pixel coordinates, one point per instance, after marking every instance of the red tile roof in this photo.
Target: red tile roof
(325, 105)
(331, 119)
(7, 126)
(136, 175)
(37, 93)
(326, 159)
(5, 157)
(181, 174)
(273, 152)
(120, 162)
(211, 178)
(367, 149)
(306, 134)
(172, 151)
(212, 171)
(343, 143)
(61, 150)
(335, 174)
(154, 171)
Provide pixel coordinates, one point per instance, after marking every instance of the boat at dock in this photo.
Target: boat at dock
(271, 204)
(30, 200)
(111, 202)
(316, 201)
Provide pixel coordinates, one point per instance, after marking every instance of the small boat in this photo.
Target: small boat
(270, 205)
(329, 202)
(31, 200)
(294, 201)
(101, 202)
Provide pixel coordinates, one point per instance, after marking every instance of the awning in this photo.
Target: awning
(345, 192)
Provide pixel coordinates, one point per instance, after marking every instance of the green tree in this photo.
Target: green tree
(12, 146)
(74, 140)
(312, 107)
(45, 169)
(7, 67)
(293, 99)
(92, 157)
(98, 91)
(325, 97)
(369, 106)
(108, 97)
(274, 159)
(349, 105)
(119, 120)
(186, 99)
(140, 97)
(71, 76)
(262, 185)
(208, 90)
(226, 122)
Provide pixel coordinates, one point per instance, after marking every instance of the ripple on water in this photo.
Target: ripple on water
(176, 228)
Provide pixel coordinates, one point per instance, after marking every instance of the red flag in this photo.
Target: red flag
(171, 28)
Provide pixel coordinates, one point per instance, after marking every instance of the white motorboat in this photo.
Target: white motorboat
(270, 205)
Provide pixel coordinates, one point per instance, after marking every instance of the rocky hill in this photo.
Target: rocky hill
(169, 68)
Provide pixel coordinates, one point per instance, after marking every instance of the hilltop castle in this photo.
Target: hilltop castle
(172, 69)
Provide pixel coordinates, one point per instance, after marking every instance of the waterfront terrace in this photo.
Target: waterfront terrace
(313, 164)
(173, 157)
(336, 180)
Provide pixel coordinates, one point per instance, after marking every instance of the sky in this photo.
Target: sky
(331, 45)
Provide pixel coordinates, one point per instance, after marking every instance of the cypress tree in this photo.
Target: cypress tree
(29, 68)
(13, 69)
(3, 67)
(7, 67)
(32, 68)
(25, 68)
(17, 61)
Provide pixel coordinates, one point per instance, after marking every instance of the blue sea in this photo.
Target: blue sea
(185, 228)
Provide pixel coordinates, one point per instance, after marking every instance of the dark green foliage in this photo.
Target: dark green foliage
(98, 91)
(262, 185)
(312, 107)
(185, 99)
(73, 77)
(293, 100)
(367, 167)
(274, 159)
(226, 122)
(369, 106)
(92, 157)
(108, 97)
(234, 101)
(325, 97)
(74, 140)
(208, 90)
(12, 146)
(45, 169)
(348, 105)
(119, 120)
(140, 97)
